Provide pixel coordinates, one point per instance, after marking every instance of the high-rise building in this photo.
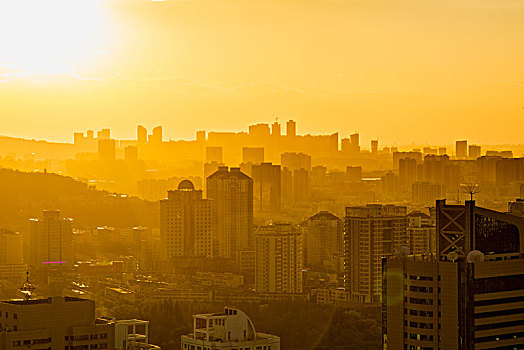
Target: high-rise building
(156, 136)
(253, 155)
(278, 259)
(468, 294)
(51, 240)
(231, 329)
(291, 128)
(354, 143)
(214, 154)
(66, 323)
(425, 193)
(106, 149)
(294, 161)
(374, 146)
(266, 187)
(371, 232)
(141, 135)
(12, 265)
(276, 129)
(103, 134)
(232, 192)
(131, 154)
(474, 151)
(323, 238)
(187, 223)
(389, 184)
(421, 234)
(461, 149)
(407, 172)
(354, 173)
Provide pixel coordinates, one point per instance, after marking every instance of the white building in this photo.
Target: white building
(231, 329)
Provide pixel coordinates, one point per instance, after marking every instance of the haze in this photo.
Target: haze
(403, 71)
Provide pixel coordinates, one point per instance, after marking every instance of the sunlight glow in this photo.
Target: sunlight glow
(51, 36)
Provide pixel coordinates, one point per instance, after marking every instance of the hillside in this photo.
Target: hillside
(25, 195)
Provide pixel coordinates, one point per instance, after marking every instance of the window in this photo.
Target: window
(103, 346)
(103, 336)
(15, 316)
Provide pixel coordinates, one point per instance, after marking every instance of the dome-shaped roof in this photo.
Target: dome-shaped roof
(186, 185)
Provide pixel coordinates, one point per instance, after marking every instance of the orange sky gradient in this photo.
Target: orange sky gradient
(403, 71)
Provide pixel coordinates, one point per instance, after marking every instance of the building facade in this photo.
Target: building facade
(187, 223)
(51, 240)
(371, 232)
(278, 261)
(232, 192)
(466, 296)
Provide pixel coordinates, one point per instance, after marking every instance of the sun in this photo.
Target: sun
(50, 36)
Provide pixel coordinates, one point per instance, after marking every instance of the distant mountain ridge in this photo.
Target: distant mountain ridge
(24, 195)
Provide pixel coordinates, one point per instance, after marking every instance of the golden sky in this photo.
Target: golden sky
(404, 71)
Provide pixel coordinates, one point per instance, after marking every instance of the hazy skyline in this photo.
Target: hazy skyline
(425, 72)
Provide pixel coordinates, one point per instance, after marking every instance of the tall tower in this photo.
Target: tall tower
(278, 259)
(141, 135)
(291, 128)
(371, 232)
(232, 192)
(461, 149)
(186, 223)
(467, 295)
(51, 240)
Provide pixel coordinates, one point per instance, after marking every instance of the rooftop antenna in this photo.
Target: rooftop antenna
(471, 189)
(27, 288)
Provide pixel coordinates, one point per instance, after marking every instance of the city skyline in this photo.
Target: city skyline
(386, 69)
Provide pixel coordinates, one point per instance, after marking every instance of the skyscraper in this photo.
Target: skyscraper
(278, 259)
(468, 294)
(354, 143)
(51, 240)
(374, 146)
(291, 128)
(266, 187)
(141, 135)
(106, 149)
(232, 193)
(371, 232)
(461, 149)
(323, 238)
(186, 223)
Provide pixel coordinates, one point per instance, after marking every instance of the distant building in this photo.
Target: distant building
(141, 135)
(214, 154)
(354, 173)
(421, 234)
(266, 187)
(253, 155)
(291, 128)
(51, 240)
(354, 146)
(474, 151)
(425, 193)
(295, 161)
(106, 149)
(468, 294)
(461, 149)
(187, 223)
(323, 238)
(517, 207)
(232, 192)
(371, 232)
(278, 259)
(231, 329)
(374, 146)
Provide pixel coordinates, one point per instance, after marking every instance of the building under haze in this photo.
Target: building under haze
(323, 238)
(51, 240)
(232, 193)
(231, 329)
(371, 233)
(187, 223)
(266, 187)
(466, 296)
(278, 259)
